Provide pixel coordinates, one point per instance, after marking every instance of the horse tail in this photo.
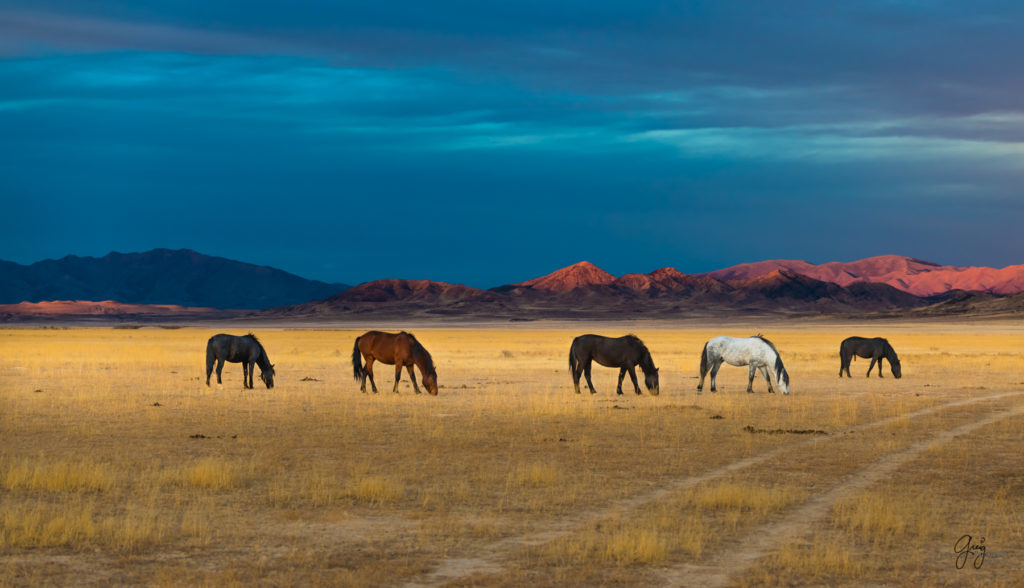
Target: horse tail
(357, 361)
(572, 357)
(209, 360)
(704, 360)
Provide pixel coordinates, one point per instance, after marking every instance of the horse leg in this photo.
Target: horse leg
(622, 374)
(369, 373)
(632, 376)
(873, 360)
(767, 378)
(398, 376)
(750, 383)
(412, 376)
(209, 365)
(586, 372)
(362, 379)
(252, 372)
(220, 368)
(714, 374)
(843, 364)
(879, 366)
(576, 373)
(703, 372)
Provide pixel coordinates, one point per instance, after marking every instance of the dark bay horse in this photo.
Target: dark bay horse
(247, 350)
(876, 349)
(398, 349)
(624, 353)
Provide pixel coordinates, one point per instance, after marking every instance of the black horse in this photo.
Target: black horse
(876, 349)
(624, 353)
(247, 350)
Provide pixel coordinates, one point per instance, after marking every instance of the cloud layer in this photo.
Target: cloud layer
(444, 139)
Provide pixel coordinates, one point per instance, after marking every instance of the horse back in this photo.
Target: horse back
(738, 351)
(608, 351)
(232, 348)
(386, 347)
(864, 347)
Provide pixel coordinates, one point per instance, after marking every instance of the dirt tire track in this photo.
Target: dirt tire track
(490, 559)
(763, 540)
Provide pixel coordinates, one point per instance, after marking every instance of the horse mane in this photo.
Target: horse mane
(419, 349)
(646, 353)
(769, 343)
(779, 368)
(263, 358)
(888, 351)
(634, 339)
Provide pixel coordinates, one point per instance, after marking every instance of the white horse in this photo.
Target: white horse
(756, 351)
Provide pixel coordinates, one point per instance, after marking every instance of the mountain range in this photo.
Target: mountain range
(162, 276)
(883, 284)
(922, 278)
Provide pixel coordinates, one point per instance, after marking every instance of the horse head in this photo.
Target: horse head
(894, 360)
(651, 381)
(430, 382)
(268, 376)
(783, 380)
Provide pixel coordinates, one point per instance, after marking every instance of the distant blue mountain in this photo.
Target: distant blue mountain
(160, 276)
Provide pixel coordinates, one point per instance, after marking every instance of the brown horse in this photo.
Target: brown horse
(398, 349)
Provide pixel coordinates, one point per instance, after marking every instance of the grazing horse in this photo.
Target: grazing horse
(876, 349)
(624, 353)
(399, 349)
(756, 351)
(247, 350)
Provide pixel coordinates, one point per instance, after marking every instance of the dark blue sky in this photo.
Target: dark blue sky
(484, 142)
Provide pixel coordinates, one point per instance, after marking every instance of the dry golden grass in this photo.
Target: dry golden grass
(118, 465)
(61, 476)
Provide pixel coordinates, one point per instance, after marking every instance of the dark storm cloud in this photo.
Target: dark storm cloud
(512, 138)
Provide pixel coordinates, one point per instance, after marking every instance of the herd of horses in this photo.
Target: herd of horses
(402, 350)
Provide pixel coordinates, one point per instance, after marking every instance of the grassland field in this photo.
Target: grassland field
(119, 466)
